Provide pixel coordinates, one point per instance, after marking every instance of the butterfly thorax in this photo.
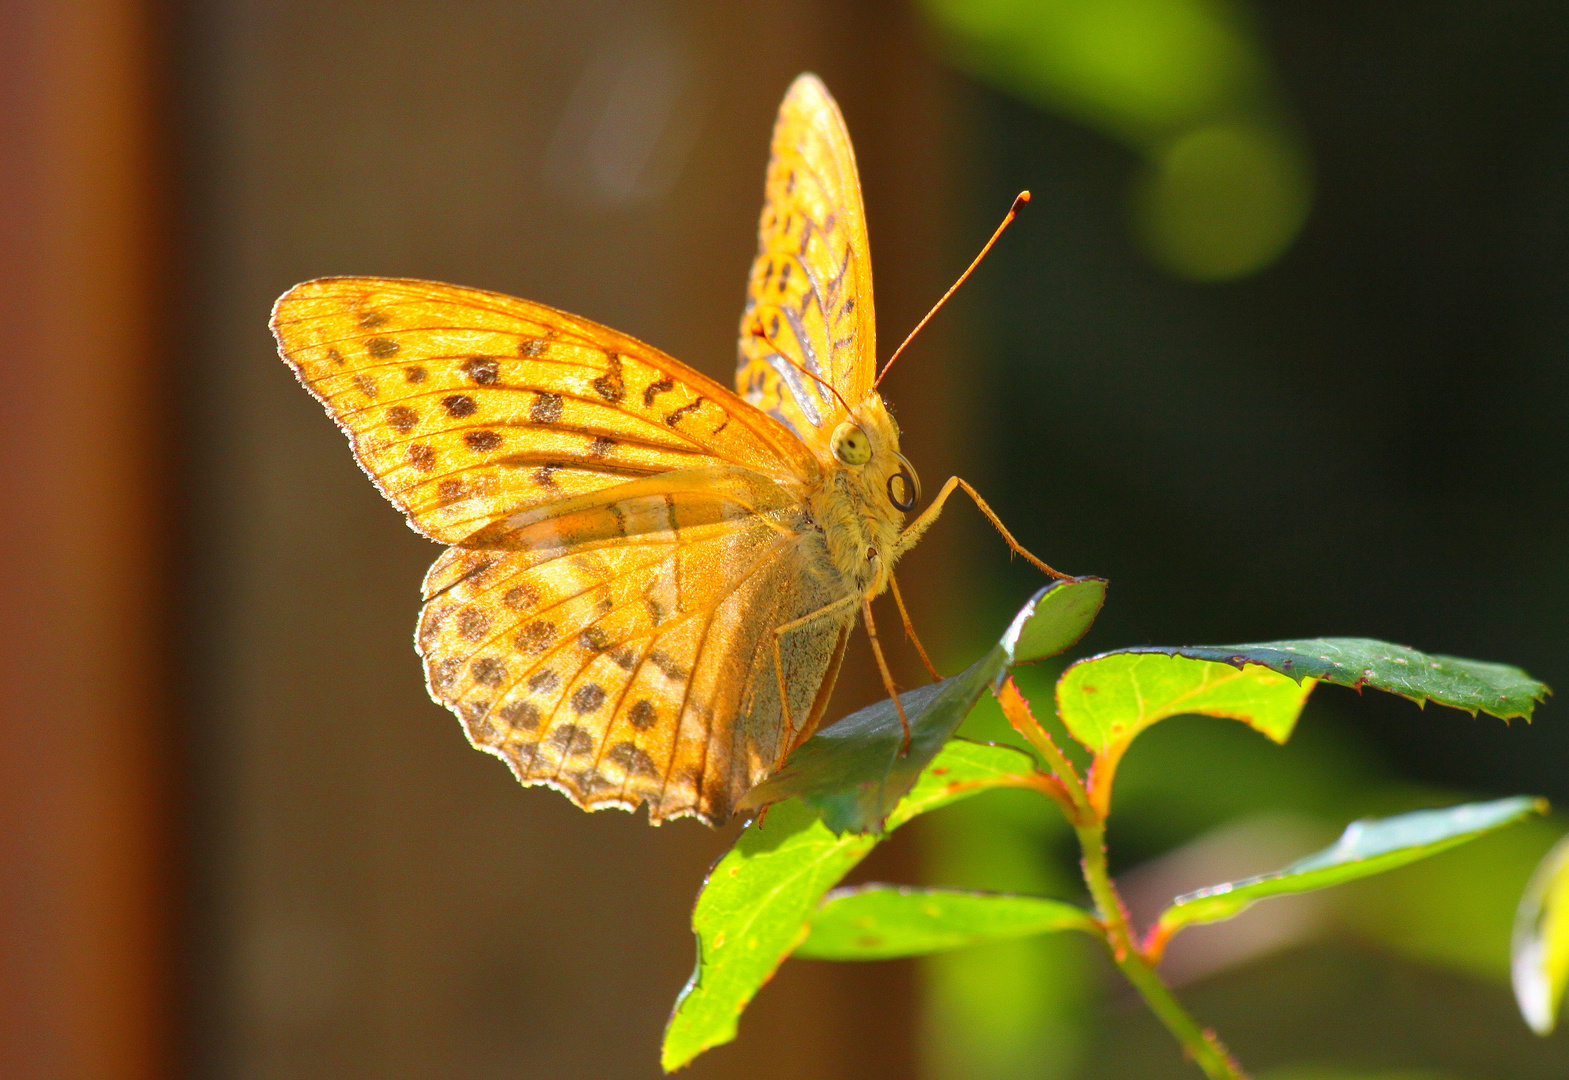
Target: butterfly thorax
(855, 504)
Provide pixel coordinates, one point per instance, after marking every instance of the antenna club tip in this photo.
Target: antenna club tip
(1019, 200)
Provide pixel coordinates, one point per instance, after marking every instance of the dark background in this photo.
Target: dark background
(237, 841)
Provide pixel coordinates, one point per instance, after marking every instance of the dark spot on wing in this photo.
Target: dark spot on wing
(381, 347)
(587, 698)
(482, 440)
(422, 457)
(633, 759)
(594, 639)
(571, 740)
(472, 624)
(601, 447)
(372, 319)
(643, 715)
(443, 672)
(482, 369)
(449, 490)
(543, 475)
(402, 418)
(520, 596)
(523, 755)
(611, 386)
(680, 414)
(415, 374)
(653, 390)
(665, 663)
(459, 405)
(366, 385)
(536, 637)
(543, 682)
(546, 408)
(624, 657)
(523, 715)
(488, 671)
(534, 346)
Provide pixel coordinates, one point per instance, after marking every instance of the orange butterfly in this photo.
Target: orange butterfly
(651, 579)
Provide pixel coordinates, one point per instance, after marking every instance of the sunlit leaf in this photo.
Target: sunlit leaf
(1496, 689)
(1107, 700)
(1540, 950)
(854, 771)
(880, 922)
(1366, 847)
(758, 898)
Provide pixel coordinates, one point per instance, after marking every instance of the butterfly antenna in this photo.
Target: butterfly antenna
(759, 332)
(1013, 212)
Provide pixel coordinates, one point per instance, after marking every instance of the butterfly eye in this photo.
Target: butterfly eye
(850, 444)
(903, 491)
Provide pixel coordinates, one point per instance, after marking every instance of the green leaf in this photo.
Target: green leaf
(758, 898)
(1540, 950)
(1054, 620)
(1107, 700)
(1496, 689)
(881, 922)
(853, 772)
(1366, 847)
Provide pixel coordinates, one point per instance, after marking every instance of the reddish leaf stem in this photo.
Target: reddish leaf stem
(1088, 817)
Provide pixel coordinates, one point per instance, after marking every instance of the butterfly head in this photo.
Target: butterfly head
(867, 445)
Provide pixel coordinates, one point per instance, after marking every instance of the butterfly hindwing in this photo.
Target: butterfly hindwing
(619, 649)
(809, 294)
(464, 405)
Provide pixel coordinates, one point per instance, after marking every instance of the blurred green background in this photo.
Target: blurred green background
(1278, 348)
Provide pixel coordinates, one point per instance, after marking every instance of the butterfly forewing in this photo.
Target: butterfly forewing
(620, 650)
(465, 405)
(809, 294)
(628, 534)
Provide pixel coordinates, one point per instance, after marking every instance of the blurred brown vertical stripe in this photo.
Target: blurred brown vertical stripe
(84, 972)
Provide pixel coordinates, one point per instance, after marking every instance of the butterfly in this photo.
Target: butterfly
(651, 579)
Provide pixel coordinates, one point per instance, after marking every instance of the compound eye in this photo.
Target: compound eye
(850, 444)
(902, 490)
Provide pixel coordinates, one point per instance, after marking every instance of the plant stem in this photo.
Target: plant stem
(1204, 1047)
(1087, 813)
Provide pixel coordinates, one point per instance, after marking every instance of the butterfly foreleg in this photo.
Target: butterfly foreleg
(909, 629)
(882, 666)
(917, 528)
(779, 632)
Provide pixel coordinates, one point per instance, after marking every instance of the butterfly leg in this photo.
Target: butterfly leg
(909, 630)
(918, 527)
(781, 631)
(882, 665)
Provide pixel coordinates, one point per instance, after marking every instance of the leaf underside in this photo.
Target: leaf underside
(881, 922)
(1366, 847)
